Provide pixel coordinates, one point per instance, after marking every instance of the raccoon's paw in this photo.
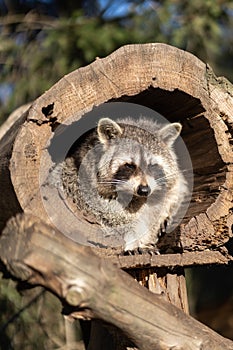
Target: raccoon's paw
(131, 252)
(151, 249)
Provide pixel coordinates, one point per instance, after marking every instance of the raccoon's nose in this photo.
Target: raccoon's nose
(143, 190)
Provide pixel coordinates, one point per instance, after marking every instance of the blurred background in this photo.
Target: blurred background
(40, 42)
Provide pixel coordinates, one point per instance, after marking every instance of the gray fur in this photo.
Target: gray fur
(114, 148)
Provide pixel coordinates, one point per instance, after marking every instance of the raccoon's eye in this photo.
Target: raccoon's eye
(130, 166)
(125, 171)
(156, 171)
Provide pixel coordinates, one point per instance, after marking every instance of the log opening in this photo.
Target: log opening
(181, 88)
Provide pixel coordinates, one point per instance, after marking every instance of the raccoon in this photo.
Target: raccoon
(125, 173)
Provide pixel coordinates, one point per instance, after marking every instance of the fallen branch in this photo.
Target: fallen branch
(35, 252)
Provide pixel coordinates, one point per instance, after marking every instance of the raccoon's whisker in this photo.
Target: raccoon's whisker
(106, 182)
(114, 182)
(175, 174)
(164, 178)
(170, 176)
(119, 181)
(187, 170)
(161, 179)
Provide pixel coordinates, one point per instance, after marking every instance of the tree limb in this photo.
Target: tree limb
(94, 288)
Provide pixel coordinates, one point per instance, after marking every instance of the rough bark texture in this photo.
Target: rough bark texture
(90, 287)
(173, 83)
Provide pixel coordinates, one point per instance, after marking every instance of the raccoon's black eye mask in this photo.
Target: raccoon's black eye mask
(156, 171)
(125, 171)
(130, 166)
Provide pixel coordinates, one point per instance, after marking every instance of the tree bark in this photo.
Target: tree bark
(91, 287)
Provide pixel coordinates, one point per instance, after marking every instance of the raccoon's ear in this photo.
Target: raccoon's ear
(108, 129)
(170, 132)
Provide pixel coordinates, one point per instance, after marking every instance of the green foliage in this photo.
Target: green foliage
(32, 66)
(37, 50)
(29, 321)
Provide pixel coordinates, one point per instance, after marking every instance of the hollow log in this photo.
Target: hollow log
(91, 287)
(167, 80)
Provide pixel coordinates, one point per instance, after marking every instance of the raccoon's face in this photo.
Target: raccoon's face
(139, 179)
(131, 167)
